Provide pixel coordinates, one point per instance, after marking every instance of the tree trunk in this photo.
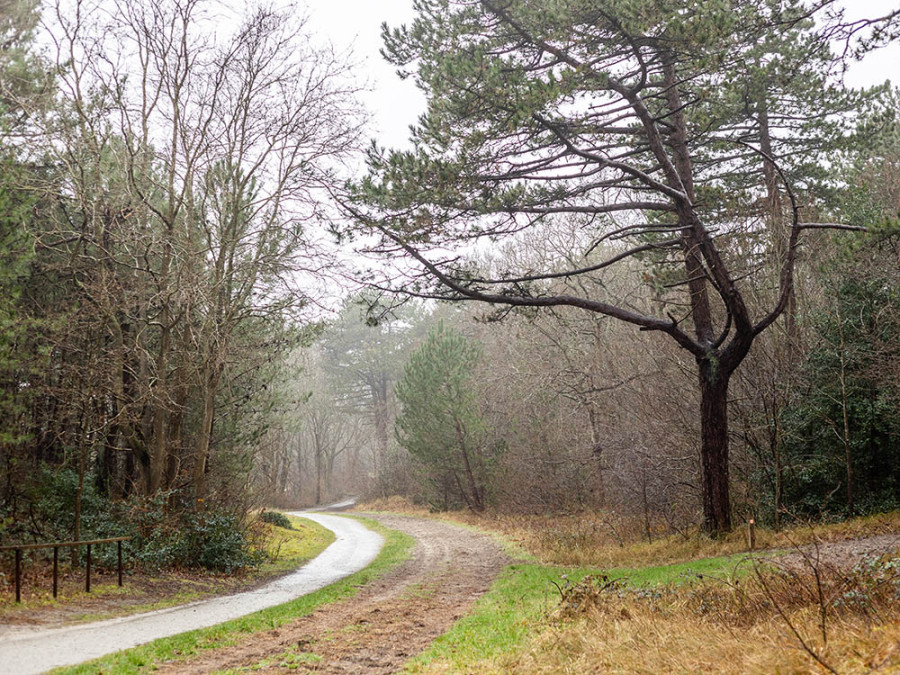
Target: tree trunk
(779, 473)
(714, 447)
(477, 503)
(159, 447)
(319, 463)
(211, 386)
(597, 453)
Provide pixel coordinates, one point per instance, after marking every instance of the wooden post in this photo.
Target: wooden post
(751, 534)
(87, 576)
(119, 547)
(18, 575)
(55, 570)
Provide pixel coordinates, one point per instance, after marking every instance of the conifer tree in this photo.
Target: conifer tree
(439, 422)
(667, 128)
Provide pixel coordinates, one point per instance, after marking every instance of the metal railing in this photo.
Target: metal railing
(18, 548)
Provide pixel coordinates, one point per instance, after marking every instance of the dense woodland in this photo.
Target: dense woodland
(640, 259)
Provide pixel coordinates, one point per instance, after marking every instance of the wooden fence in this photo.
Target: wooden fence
(18, 548)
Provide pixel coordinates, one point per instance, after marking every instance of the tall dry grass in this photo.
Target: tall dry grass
(810, 619)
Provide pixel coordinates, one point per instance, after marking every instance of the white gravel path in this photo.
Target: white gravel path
(32, 650)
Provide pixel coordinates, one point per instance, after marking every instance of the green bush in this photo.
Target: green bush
(210, 539)
(162, 536)
(276, 518)
(215, 541)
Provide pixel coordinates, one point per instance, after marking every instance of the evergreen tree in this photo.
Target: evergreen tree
(665, 127)
(439, 421)
(23, 91)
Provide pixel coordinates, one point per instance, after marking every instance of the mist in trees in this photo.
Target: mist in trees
(165, 196)
(623, 188)
(691, 139)
(440, 423)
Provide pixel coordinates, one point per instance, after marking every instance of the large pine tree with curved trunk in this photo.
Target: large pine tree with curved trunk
(683, 132)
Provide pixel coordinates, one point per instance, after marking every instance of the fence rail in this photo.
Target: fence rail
(18, 548)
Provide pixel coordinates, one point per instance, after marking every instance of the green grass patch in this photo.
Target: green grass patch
(288, 549)
(179, 647)
(521, 598)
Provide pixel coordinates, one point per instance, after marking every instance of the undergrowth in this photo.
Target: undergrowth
(165, 530)
(809, 618)
(721, 617)
(285, 550)
(615, 607)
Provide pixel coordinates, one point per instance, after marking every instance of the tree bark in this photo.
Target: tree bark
(714, 446)
(477, 503)
(211, 386)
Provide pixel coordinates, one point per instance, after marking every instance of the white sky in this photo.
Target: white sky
(395, 104)
(356, 24)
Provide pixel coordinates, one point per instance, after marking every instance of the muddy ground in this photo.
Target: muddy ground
(386, 623)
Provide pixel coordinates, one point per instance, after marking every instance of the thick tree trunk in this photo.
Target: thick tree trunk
(714, 448)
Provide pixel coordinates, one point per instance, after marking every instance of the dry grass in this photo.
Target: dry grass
(802, 619)
(784, 621)
(394, 504)
(645, 643)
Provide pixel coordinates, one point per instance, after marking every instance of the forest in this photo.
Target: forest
(640, 260)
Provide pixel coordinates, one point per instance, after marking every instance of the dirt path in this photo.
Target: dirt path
(386, 623)
(841, 555)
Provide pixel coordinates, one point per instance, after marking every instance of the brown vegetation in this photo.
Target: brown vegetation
(818, 618)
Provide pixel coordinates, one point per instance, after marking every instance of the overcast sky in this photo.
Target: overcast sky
(396, 104)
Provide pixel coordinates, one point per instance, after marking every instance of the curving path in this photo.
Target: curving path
(30, 650)
(387, 622)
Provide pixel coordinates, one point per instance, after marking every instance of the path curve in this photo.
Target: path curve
(29, 650)
(388, 621)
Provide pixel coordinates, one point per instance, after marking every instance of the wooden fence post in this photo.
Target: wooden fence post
(87, 576)
(18, 575)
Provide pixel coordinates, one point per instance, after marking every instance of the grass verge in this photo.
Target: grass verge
(520, 601)
(180, 647)
(710, 614)
(288, 549)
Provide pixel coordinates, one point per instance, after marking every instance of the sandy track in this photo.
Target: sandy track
(840, 555)
(386, 623)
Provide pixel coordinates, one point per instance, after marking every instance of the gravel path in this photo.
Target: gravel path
(841, 555)
(25, 650)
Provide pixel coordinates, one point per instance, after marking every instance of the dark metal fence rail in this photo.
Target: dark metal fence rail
(18, 548)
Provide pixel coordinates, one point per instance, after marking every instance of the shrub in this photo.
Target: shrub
(162, 536)
(276, 518)
(215, 541)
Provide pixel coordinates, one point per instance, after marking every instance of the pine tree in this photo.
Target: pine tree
(666, 128)
(439, 421)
